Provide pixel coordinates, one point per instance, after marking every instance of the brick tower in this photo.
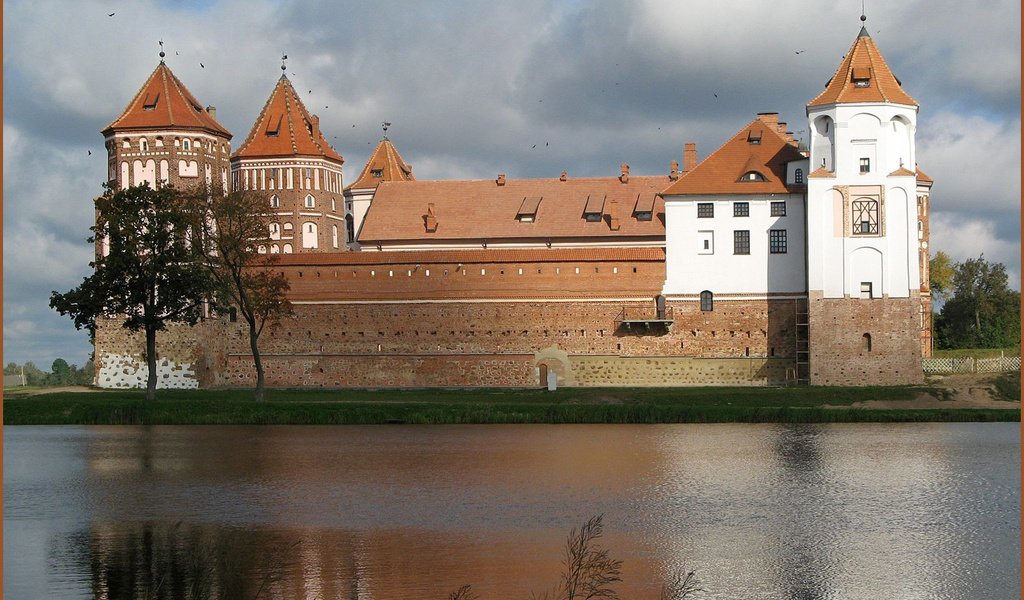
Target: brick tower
(287, 158)
(165, 136)
(863, 251)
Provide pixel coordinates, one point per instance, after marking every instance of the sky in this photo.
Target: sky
(470, 87)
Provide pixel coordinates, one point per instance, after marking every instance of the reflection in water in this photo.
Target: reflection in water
(773, 511)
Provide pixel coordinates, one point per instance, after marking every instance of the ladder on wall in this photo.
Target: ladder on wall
(803, 351)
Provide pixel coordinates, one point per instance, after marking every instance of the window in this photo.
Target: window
(865, 165)
(752, 176)
(310, 202)
(865, 217)
(798, 176)
(592, 217)
(777, 241)
(275, 202)
(186, 144)
(377, 172)
(741, 242)
(741, 209)
(350, 229)
(144, 145)
(644, 215)
(866, 342)
(705, 242)
(705, 210)
(275, 231)
(865, 290)
(778, 209)
(707, 301)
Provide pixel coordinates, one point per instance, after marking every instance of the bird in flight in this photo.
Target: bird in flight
(202, 65)
(716, 95)
(799, 51)
(111, 14)
(533, 146)
(90, 152)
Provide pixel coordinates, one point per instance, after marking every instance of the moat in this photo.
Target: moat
(759, 511)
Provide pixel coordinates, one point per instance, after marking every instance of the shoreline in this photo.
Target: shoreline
(968, 400)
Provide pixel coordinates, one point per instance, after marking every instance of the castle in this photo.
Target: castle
(764, 263)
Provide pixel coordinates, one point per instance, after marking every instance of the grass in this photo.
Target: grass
(456, 406)
(977, 352)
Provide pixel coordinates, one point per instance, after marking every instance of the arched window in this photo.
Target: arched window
(752, 176)
(866, 342)
(287, 249)
(798, 176)
(186, 144)
(350, 229)
(707, 301)
(334, 235)
(261, 249)
(865, 216)
(310, 201)
(274, 249)
(309, 235)
(275, 202)
(144, 145)
(275, 231)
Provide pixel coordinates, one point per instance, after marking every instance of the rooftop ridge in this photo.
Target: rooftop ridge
(166, 90)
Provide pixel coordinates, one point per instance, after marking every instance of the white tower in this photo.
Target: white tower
(864, 279)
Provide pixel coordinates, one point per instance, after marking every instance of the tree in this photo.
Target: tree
(982, 311)
(234, 226)
(33, 374)
(940, 275)
(149, 273)
(60, 373)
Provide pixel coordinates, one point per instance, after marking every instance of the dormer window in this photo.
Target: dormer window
(644, 215)
(594, 208)
(274, 127)
(752, 176)
(861, 77)
(150, 103)
(527, 212)
(644, 210)
(377, 172)
(754, 136)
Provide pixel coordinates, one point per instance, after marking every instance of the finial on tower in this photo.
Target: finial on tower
(863, 18)
(385, 126)
(161, 42)
(284, 67)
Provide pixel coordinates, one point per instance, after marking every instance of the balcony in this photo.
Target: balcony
(643, 318)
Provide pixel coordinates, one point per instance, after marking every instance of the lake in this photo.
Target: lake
(413, 512)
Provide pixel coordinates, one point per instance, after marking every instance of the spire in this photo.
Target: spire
(284, 67)
(863, 18)
(863, 76)
(385, 164)
(285, 128)
(164, 102)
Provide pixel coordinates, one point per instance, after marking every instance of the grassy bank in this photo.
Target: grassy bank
(578, 405)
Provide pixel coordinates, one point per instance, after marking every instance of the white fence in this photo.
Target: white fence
(968, 364)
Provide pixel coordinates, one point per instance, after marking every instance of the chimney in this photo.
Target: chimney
(769, 118)
(212, 111)
(624, 177)
(430, 219)
(613, 216)
(316, 127)
(673, 172)
(563, 176)
(501, 179)
(689, 157)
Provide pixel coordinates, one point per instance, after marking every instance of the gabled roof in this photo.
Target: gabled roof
(163, 102)
(923, 177)
(865, 64)
(285, 128)
(483, 210)
(723, 170)
(388, 162)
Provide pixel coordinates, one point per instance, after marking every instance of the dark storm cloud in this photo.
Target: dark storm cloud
(472, 87)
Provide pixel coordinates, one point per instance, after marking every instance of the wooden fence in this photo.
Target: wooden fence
(969, 364)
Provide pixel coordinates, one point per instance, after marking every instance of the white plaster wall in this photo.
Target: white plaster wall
(126, 371)
(690, 270)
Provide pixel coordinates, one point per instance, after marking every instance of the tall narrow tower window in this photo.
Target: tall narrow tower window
(707, 301)
(310, 202)
(275, 202)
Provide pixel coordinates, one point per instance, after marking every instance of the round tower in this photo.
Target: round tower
(287, 159)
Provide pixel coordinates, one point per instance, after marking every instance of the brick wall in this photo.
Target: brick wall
(840, 354)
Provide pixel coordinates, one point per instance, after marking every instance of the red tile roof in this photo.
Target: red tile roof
(285, 128)
(863, 62)
(388, 161)
(164, 102)
(723, 170)
(482, 209)
(922, 177)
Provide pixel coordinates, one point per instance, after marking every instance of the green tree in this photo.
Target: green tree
(982, 311)
(941, 270)
(234, 227)
(33, 374)
(12, 368)
(149, 273)
(60, 373)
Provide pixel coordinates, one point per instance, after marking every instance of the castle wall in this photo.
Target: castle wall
(471, 343)
(840, 352)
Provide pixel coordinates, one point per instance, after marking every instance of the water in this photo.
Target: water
(759, 511)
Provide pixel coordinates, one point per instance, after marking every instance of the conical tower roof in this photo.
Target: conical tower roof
(164, 102)
(388, 162)
(285, 128)
(863, 76)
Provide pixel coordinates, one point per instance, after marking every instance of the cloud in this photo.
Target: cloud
(963, 238)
